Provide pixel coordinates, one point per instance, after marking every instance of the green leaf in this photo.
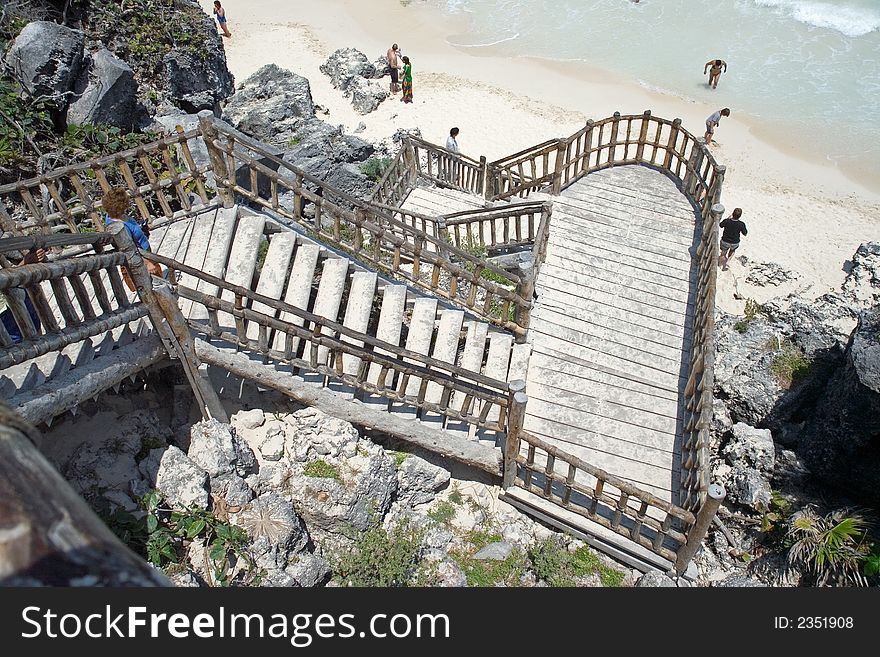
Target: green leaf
(152, 523)
(196, 528)
(218, 551)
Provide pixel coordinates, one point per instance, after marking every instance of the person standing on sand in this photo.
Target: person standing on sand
(715, 71)
(713, 121)
(407, 81)
(733, 227)
(394, 63)
(452, 146)
(220, 13)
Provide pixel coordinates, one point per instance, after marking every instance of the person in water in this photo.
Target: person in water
(717, 65)
(220, 13)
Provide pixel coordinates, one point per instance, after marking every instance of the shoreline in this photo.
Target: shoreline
(804, 214)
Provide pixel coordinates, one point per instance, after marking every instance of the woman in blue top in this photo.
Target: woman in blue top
(220, 13)
(115, 203)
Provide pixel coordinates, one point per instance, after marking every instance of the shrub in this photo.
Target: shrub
(379, 557)
(789, 365)
(442, 513)
(828, 549)
(741, 326)
(554, 564)
(375, 168)
(321, 469)
(486, 572)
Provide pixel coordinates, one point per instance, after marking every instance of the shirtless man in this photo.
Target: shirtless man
(715, 72)
(394, 62)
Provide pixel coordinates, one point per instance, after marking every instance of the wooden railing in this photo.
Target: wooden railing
(448, 169)
(508, 227)
(162, 178)
(319, 345)
(368, 232)
(399, 179)
(528, 171)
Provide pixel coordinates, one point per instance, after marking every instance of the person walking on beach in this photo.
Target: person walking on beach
(407, 81)
(713, 121)
(394, 63)
(220, 13)
(714, 72)
(733, 227)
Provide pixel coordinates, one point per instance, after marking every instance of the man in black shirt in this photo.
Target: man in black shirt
(733, 227)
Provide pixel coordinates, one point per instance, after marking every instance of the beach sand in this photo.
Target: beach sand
(802, 212)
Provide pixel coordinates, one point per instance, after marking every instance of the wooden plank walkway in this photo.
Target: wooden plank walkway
(610, 333)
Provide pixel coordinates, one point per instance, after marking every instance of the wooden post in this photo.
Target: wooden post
(643, 135)
(222, 175)
(561, 148)
(720, 170)
(670, 144)
(50, 536)
(714, 497)
(612, 149)
(169, 323)
(526, 290)
(516, 413)
(691, 179)
(483, 179)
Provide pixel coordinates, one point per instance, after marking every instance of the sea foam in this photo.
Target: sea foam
(850, 21)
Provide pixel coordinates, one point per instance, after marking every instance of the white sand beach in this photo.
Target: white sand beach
(802, 212)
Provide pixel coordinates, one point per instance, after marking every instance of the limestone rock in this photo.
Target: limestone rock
(739, 581)
(47, 58)
(498, 551)
(449, 575)
(366, 95)
(748, 487)
(351, 72)
(654, 579)
(762, 274)
(214, 448)
(178, 479)
(274, 529)
(272, 448)
(200, 82)
(248, 419)
(271, 105)
(418, 480)
(233, 489)
(106, 93)
(862, 284)
(309, 570)
(750, 447)
(363, 492)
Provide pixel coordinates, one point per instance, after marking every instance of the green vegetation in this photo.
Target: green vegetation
(151, 28)
(442, 513)
(774, 519)
(455, 497)
(487, 572)
(751, 312)
(162, 535)
(321, 469)
(294, 141)
(262, 251)
(399, 457)
(789, 365)
(379, 557)
(559, 567)
(829, 549)
(375, 168)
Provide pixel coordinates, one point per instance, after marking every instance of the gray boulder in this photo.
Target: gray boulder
(762, 274)
(352, 73)
(361, 495)
(749, 487)
(309, 570)
(862, 284)
(345, 64)
(840, 442)
(274, 529)
(270, 105)
(750, 447)
(213, 447)
(233, 489)
(106, 93)
(178, 479)
(498, 551)
(199, 83)
(654, 579)
(249, 419)
(47, 58)
(366, 95)
(418, 481)
(739, 581)
(381, 67)
(449, 575)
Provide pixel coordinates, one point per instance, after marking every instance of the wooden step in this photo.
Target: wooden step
(445, 349)
(357, 318)
(388, 330)
(217, 256)
(471, 360)
(421, 333)
(199, 244)
(334, 277)
(299, 290)
(242, 261)
(273, 276)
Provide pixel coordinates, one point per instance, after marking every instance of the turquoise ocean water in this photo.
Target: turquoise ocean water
(809, 70)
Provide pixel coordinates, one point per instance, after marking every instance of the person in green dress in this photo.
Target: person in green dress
(407, 81)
